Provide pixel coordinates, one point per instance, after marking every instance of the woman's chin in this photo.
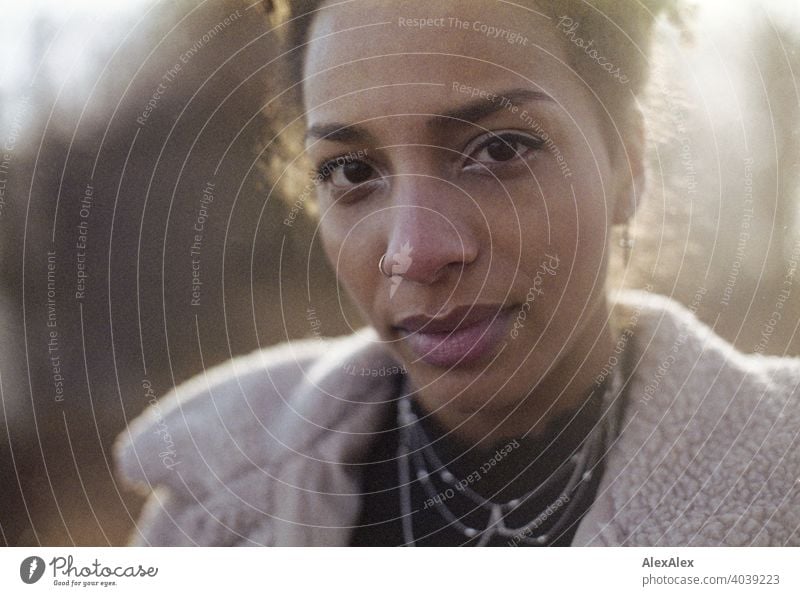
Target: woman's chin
(464, 390)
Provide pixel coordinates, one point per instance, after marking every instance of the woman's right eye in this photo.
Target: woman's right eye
(345, 175)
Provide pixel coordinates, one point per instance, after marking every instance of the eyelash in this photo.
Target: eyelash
(325, 170)
(509, 138)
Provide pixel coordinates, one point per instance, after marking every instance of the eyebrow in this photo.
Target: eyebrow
(477, 110)
(470, 113)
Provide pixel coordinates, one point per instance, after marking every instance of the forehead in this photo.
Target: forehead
(366, 59)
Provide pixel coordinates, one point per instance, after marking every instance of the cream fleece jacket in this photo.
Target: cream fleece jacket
(252, 452)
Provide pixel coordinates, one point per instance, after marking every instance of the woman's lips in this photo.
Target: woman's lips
(462, 337)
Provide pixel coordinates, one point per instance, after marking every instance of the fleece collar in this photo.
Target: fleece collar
(706, 455)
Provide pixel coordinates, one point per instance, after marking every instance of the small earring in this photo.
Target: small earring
(625, 241)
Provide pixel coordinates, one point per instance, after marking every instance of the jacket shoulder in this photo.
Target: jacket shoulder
(668, 337)
(708, 451)
(214, 437)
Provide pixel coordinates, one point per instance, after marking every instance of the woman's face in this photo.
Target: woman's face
(459, 142)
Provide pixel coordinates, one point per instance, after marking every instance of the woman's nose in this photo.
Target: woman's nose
(428, 238)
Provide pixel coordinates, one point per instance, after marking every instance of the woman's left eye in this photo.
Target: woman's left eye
(499, 147)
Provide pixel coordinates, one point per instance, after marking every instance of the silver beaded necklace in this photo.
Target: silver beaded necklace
(580, 469)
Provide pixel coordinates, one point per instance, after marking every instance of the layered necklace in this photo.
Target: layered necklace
(416, 452)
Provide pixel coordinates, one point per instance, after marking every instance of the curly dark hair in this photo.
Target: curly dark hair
(623, 28)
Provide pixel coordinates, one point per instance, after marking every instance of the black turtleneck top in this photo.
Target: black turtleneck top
(510, 469)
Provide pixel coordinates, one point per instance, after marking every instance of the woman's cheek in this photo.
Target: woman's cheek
(348, 256)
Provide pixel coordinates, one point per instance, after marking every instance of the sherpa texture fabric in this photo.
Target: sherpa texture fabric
(254, 452)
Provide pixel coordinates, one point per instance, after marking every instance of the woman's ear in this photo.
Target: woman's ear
(629, 163)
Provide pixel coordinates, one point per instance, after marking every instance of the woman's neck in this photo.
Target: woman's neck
(513, 466)
(564, 390)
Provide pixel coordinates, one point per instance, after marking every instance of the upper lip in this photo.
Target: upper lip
(457, 318)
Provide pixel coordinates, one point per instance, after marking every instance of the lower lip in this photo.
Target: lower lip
(462, 347)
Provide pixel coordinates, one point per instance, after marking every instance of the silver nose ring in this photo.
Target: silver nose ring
(380, 265)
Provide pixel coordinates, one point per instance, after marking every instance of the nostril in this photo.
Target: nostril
(427, 243)
(400, 261)
(423, 270)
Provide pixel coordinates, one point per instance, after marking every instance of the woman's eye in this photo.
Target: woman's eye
(346, 174)
(500, 148)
